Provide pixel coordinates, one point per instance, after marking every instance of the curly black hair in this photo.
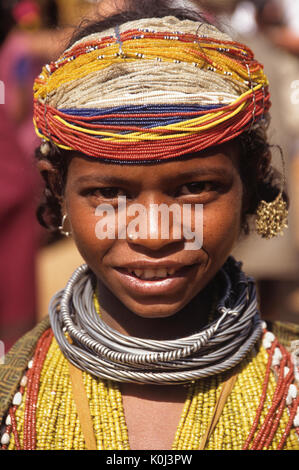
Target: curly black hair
(261, 181)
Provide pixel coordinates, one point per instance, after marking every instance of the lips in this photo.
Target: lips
(161, 280)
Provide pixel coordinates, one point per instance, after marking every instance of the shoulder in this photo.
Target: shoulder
(286, 333)
(16, 362)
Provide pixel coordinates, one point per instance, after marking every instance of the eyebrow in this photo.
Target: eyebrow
(101, 179)
(111, 179)
(204, 172)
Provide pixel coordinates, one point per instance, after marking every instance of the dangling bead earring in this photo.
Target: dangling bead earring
(272, 217)
(61, 229)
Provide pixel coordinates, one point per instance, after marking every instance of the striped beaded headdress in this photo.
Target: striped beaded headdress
(150, 90)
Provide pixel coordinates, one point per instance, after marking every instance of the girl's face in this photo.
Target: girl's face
(151, 275)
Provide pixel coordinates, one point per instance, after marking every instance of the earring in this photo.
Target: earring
(60, 228)
(272, 217)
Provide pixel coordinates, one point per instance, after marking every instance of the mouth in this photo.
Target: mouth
(152, 281)
(151, 274)
(158, 280)
(154, 274)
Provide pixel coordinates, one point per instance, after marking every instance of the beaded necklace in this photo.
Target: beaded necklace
(44, 416)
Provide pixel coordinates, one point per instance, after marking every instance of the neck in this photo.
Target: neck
(192, 318)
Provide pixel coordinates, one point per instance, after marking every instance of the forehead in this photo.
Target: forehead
(216, 161)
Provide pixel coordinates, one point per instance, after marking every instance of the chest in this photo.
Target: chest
(151, 424)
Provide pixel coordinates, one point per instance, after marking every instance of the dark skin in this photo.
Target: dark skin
(179, 308)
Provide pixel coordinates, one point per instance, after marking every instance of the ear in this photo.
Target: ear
(51, 177)
(45, 165)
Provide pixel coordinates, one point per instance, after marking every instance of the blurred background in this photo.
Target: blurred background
(34, 264)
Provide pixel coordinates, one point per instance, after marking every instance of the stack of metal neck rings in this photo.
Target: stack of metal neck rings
(107, 354)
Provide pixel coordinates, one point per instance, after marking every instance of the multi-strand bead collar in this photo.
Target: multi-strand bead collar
(43, 414)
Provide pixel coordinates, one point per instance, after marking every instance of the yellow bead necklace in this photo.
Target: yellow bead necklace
(58, 426)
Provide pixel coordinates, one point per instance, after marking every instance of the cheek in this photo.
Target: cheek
(83, 224)
(222, 224)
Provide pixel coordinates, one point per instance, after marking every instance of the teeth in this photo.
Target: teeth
(138, 272)
(162, 272)
(148, 273)
(152, 273)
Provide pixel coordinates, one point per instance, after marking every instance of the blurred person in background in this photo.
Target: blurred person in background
(26, 42)
(18, 235)
(30, 40)
(279, 20)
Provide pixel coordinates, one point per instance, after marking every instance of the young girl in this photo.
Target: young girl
(154, 156)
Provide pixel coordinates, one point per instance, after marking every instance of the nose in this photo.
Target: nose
(154, 223)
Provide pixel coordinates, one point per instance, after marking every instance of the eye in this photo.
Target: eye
(197, 187)
(105, 192)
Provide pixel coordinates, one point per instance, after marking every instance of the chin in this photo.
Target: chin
(155, 310)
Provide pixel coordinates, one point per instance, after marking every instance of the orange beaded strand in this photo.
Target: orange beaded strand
(33, 389)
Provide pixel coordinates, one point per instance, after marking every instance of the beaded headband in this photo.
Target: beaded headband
(150, 90)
